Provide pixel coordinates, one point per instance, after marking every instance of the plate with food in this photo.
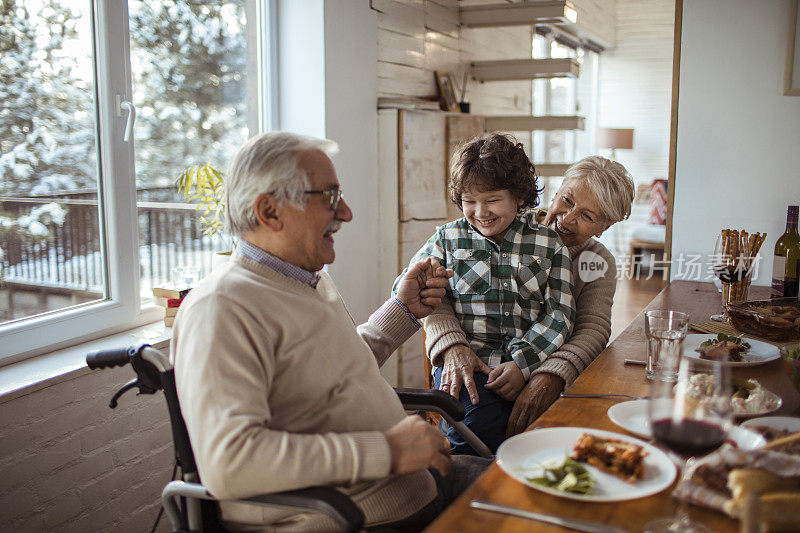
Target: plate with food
(632, 416)
(775, 427)
(749, 398)
(740, 351)
(586, 464)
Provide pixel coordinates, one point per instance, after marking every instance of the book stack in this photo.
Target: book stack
(170, 299)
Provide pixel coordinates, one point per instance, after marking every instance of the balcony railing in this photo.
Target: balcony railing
(69, 257)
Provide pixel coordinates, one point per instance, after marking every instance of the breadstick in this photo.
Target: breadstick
(782, 441)
(726, 244)
(760, 241)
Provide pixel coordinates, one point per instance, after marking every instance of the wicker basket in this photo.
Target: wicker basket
(774, 320)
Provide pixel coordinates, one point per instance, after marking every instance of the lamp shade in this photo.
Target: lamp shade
(615, 138)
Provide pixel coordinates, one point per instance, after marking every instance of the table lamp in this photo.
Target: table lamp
(614, 138)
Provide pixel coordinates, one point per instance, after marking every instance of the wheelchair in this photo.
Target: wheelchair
(188, 504)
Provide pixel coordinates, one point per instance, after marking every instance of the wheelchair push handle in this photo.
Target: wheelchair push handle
(113, 357)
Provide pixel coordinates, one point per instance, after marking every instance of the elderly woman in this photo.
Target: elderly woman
(595, 194)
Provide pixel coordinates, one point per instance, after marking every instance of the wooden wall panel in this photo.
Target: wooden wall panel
(417, 38)
(422, 165)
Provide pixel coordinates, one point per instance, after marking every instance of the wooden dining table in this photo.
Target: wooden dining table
(608, 374)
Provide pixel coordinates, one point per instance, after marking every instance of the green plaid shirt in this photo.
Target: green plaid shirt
(514, 299)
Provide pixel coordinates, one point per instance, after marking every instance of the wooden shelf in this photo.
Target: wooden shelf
(525, 69)
(497, 15)
(551, 170)
(534, 123)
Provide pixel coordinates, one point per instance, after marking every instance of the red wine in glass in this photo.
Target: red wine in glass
(689, 437)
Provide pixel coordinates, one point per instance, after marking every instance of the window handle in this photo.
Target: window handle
(131, 119)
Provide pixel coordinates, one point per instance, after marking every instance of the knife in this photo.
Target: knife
(635, 362)
(571, 523)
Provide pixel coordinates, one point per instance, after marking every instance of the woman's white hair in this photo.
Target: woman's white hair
(610, 182)
(267, 163)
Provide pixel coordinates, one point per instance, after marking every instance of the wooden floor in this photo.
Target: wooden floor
(631, 297)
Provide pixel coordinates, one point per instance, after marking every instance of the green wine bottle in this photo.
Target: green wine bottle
(786, 266)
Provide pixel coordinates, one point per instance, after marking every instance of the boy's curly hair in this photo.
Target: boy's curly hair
(494, 161)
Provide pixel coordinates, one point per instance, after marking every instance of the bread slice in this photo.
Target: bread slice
(777, 496)
(617, 457)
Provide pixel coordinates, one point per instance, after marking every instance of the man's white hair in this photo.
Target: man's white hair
(267, 163)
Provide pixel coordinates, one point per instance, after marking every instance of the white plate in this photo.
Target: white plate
(777, 401)
(779, 423)
(632, 416)
(522, 456)
(759, 353)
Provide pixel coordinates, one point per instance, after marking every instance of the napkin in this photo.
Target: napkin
(695, 490)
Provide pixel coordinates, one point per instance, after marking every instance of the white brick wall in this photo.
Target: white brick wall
(635, 92)
(70, 463)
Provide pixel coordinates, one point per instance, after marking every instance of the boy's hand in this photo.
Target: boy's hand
(424, 285)
(506, 381)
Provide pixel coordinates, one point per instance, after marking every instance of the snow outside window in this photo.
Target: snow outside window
(90, 222)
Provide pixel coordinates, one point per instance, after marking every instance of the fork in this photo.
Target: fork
(573, 395)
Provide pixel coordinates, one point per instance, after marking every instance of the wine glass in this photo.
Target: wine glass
(728, 272)
(690, 418)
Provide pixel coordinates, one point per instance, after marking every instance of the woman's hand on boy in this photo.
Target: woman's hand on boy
(540, 393)
(460, 363)
(506, 380)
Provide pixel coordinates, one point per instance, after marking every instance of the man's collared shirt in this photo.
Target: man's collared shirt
(513, 298)
(253, 252)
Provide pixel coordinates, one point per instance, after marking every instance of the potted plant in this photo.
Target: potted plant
(205, 185)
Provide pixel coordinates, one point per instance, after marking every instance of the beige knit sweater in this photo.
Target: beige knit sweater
(589, 336)
(280, 391)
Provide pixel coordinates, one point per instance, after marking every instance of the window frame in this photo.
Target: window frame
(121, 308)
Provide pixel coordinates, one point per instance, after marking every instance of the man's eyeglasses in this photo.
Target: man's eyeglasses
(335, 196)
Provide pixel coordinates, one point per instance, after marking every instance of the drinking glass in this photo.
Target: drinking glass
(733, 273)
(690, 424)
(185, 277)
(665, 331)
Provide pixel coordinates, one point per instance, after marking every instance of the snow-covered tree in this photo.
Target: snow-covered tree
(188, 61)
(46, 108)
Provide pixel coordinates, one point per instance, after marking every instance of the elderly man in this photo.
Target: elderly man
(278, 389)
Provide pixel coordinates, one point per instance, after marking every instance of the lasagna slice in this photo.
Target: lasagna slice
(620, 458)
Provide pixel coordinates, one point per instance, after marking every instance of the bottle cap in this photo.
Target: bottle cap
(791, 217)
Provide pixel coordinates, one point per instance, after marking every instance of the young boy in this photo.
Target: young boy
(512, 288)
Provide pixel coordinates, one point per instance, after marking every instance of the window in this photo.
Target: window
(564, 96)
(189, 69)
(90, 221)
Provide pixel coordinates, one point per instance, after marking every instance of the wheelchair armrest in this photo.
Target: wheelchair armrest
(431, 400)
(323, 500)
(452, 411)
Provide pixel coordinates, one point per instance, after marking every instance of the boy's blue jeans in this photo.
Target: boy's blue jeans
(488, 420)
